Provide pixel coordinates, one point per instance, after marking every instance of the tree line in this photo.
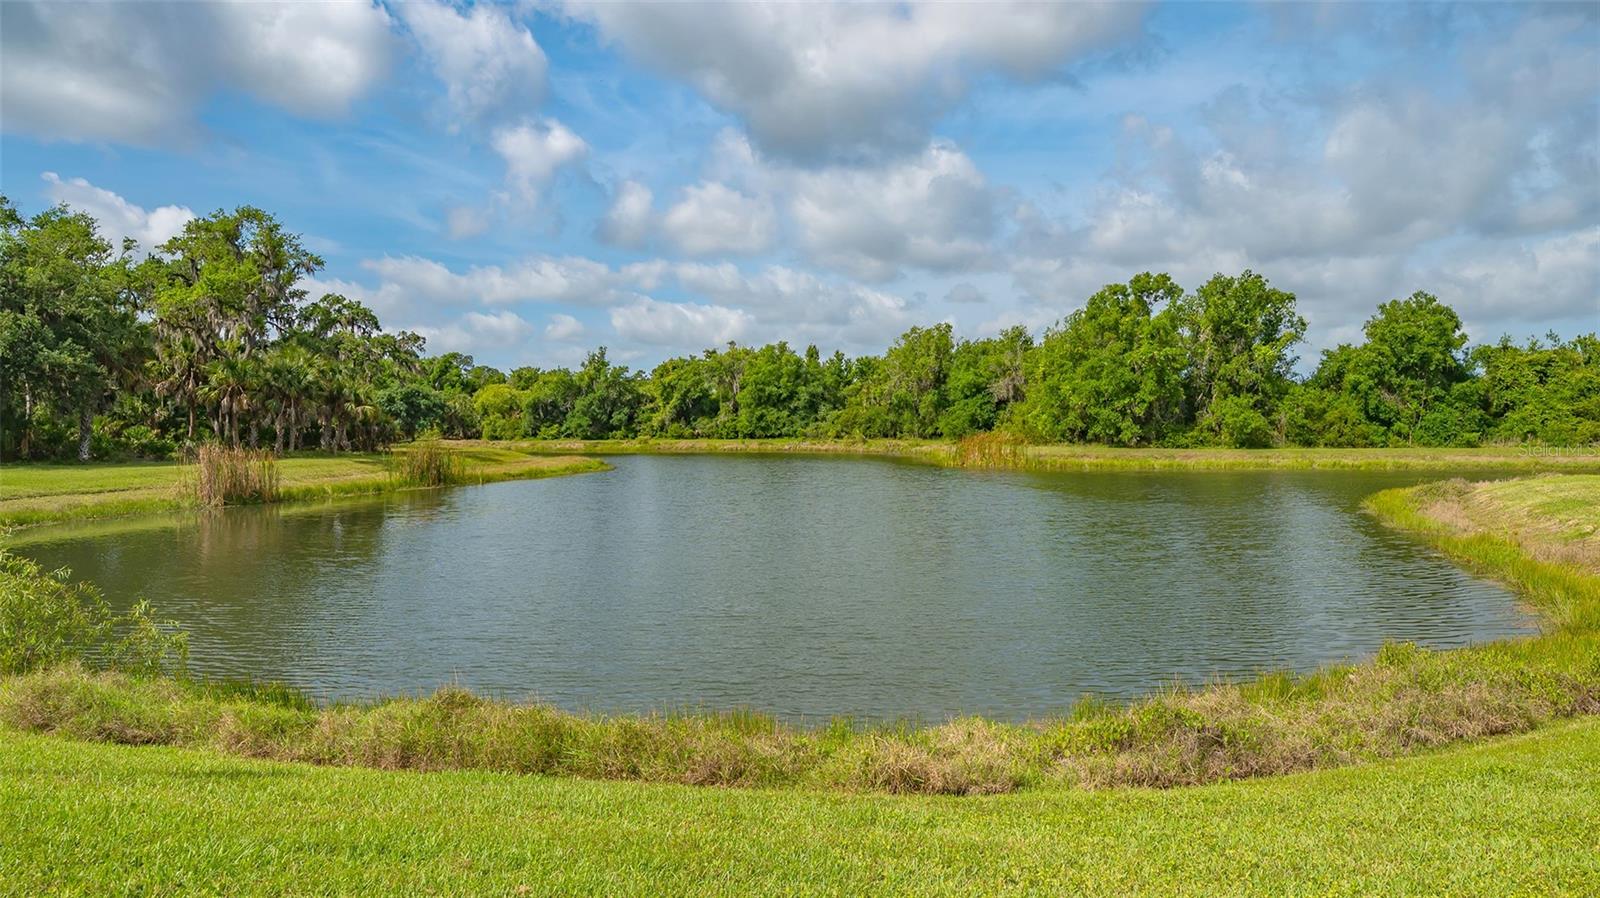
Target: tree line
(211, 337)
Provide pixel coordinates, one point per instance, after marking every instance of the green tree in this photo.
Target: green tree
(608, 400)
(1238, 334)
(1112, 372)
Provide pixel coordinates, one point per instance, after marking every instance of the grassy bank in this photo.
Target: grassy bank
(129, 802)
(1404, 700)
(32, 494)
(1516, 816)
(1507, 459)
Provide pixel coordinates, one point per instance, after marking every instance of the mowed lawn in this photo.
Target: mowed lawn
(1516, 816)
(43, 493)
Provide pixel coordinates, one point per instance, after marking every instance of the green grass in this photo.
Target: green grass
(33, 494)
(1507, 459)
(1517, 816)
(1510, 815)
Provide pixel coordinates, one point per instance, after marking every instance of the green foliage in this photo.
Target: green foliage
(214, 340)
(413, 406)
(1545, 393)
(1238, 334)
(499, 410)
(1112, 372)
(46, 620)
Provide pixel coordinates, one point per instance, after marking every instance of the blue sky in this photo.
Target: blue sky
(523, 182)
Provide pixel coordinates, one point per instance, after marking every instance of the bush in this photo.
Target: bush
(46, 620)
(229, 476)
(1239, 424)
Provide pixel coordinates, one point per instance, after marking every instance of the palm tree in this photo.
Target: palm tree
(230, 381)
(183, 373)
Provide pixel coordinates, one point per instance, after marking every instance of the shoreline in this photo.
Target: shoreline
(1069, 457)
(1402, 701)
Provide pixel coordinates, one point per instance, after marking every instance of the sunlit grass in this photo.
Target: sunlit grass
(1513, 817)
(42, 494)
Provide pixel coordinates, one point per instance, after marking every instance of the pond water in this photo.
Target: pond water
(806, 587)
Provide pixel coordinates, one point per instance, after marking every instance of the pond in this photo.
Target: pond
(805, 587)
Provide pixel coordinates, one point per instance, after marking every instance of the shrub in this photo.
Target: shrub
(46, 620)
(227, 476)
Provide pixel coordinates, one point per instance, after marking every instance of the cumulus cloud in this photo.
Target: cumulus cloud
(118, 218)
(476, 331)
(631, 218)
(533, 152)
(800, 306)
(136, 73)
(715, 218)
(1486, 193)
(574, 280)
(844, 80)
(1533, 282)
(931, 211)
(656, 323)
(564, 328)
(489, 64)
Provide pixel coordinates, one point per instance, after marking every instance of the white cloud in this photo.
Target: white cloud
(650, 321)
(118, 218)
(800, 306)
(714, 218)
(489, 64)
(387, 300)
(307, 57)
(1529, 282)
(136, 73)
(571, 279)
(831, 80)
(564, 328)
(1485, 192)
(631, 218)
(932, 211)
(476, 331)
(534, 151)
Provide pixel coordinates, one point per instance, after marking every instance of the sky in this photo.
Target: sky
(524, 182)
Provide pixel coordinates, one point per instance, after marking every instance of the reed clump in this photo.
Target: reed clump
(227, 475)
(427, 463)
(993, 449)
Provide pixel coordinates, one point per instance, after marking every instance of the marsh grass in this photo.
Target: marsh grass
(1405, 699)
(991, 449)
(224, 475)
(427, 463)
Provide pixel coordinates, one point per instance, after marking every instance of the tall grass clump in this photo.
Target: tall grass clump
(427, 463)
(992, 449)
(225, 475)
